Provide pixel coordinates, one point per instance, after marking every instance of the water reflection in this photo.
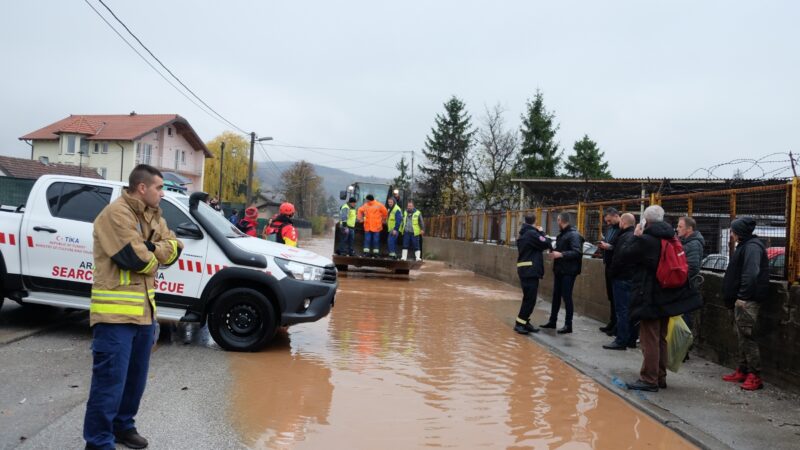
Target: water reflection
(427, 362)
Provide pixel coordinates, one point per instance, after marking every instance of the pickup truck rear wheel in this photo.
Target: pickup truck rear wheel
(242, 319)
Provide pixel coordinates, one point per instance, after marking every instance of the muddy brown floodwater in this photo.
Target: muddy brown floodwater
(428, 361)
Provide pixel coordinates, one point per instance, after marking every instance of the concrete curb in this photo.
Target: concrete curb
(670, 420)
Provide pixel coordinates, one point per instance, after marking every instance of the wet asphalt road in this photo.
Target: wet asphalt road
(429, 361)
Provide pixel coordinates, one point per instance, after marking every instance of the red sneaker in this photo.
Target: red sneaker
(752, 383)
(735, 377)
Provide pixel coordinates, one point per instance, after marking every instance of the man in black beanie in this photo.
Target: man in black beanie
(745, 286)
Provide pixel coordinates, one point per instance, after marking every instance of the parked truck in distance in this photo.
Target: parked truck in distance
(245, 288)
(359, 190)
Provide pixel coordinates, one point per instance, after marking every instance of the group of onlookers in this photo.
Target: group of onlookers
(641, 302)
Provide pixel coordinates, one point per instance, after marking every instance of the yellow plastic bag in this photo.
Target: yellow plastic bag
(679, 339)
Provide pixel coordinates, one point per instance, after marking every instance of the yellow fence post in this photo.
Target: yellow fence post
(581, 222)
(485, 226)
(452, 227)
(689, 206)
(508, 227)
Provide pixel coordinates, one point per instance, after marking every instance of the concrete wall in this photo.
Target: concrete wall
(715, 339)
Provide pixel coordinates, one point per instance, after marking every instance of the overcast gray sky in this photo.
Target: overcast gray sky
(663, 87)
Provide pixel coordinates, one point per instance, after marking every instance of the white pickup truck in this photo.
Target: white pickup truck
(244, 287)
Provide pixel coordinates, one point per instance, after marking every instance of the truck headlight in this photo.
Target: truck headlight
(300, 271)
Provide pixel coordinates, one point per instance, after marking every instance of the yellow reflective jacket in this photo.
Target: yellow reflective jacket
(130, 241)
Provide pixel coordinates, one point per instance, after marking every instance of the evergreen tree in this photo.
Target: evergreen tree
(443, 183)
(539, 152)
(587, 162)
(403, 180)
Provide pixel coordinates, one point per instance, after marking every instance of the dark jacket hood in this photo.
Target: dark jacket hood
(525, 227)
(661, 230)
(695, 236)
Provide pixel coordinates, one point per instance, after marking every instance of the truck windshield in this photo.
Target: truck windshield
(215, 219)
(379, 191)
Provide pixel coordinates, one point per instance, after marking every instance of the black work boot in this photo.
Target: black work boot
(565, 330)
(548, 325)
(130, 438)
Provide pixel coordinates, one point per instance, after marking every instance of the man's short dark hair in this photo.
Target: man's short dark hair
(143, 173)
(370, 197)
(530, 220)
(565, 217)
(689, 222)
(611, 211)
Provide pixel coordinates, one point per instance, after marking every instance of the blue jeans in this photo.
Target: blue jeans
(392, 243)
(562, 288)
(409, 239)
(346, 243)
(372, 240)
(121, 355)
(622, 304)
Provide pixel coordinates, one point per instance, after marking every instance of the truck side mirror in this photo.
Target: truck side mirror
(342, 195)
(189, 230)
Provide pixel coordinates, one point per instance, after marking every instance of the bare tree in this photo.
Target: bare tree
(494, 160)
(303, 187)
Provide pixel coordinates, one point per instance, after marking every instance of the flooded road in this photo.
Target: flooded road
(428, 361)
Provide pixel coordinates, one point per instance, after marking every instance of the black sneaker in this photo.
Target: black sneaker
(548, 325)
(640, 385)
(607, 327)
(130, 438)
(565, 330)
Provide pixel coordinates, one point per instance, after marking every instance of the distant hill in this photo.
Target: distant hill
(333, 180)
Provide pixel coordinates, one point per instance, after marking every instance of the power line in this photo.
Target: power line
(167, 68)
(306, 147)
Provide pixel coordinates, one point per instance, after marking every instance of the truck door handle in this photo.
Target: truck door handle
(47, 229)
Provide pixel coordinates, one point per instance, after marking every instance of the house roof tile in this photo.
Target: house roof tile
(30, 169)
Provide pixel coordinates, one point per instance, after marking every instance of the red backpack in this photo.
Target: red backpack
(673, 270)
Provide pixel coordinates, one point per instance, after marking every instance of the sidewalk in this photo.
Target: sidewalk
(697, 404)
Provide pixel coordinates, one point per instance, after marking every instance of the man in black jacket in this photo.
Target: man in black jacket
(693, 243)
(745, 286)
(612, 219)
(566, 267)
(651, 305)
(621, 272)
(530, 268)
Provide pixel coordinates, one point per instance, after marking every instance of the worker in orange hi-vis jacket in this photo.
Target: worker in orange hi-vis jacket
(373, 214)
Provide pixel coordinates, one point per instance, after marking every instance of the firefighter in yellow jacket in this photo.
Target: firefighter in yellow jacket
(131, 240)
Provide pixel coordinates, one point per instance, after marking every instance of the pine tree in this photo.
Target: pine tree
(443, 183)
(403, 180)
(539, 152)
(587, 162)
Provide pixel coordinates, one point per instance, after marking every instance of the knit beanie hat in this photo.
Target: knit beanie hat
(743, 227)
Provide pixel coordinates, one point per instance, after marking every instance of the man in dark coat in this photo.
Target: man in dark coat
(611, 218)
(745, 286)
(567, 259)
(693, 243)
(621, 272)
(651, 305)
(530, 268)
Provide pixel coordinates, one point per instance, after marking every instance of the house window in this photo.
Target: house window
(143, 152)
(70, 145)
(183, 157)
(169, 131)
(177, 158)
(96, 148)
(105, 148)
(84, 147)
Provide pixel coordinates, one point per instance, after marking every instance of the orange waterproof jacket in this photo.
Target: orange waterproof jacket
(373, 214)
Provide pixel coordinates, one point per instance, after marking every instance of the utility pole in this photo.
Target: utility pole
(791, 158)
(221, 158)
(250, 170)
(412, 175)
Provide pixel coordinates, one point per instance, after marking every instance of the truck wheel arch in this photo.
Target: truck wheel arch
(232, 277)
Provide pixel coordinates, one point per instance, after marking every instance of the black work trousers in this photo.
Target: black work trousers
(610, 294)
(530, 288)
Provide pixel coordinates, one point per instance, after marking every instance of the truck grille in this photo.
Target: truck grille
(330, 274)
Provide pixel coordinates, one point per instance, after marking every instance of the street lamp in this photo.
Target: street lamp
(250, 166)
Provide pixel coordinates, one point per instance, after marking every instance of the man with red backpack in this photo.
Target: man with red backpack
(280, 228)
(660, 290)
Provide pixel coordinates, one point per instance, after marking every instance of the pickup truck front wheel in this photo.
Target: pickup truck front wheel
(242, 319)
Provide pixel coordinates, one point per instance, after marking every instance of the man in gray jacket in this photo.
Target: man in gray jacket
(693, 243)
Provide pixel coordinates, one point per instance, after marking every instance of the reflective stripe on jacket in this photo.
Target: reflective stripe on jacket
(348, 215)
(416, 222)
(131, 240)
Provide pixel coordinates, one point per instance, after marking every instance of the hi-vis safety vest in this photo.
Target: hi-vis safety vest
(414, 222)
(130, 241)
(392, 221)
(351, 215)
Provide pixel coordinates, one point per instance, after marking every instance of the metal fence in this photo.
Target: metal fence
(775, 209)
(14, 191)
